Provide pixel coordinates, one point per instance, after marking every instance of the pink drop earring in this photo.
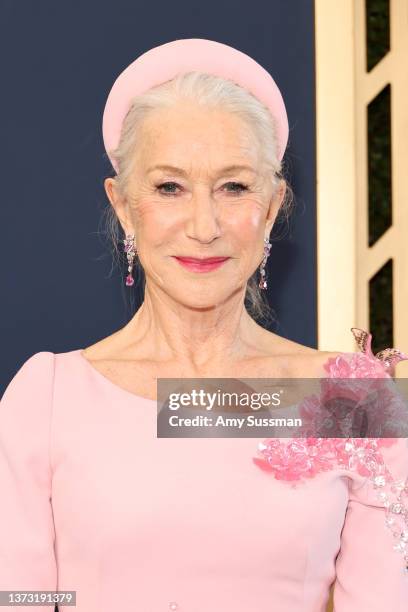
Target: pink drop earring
(130, 252)
(267, 249)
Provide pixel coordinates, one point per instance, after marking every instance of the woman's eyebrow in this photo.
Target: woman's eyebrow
(226, 170)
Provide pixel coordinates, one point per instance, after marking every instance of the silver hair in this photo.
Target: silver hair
(209, 91)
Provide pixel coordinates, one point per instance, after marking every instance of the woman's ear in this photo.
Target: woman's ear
(275, 203)
(119, 204)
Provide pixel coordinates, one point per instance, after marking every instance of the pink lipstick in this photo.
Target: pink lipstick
(201, 265)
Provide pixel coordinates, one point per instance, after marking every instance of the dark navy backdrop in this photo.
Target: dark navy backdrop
(59, 60)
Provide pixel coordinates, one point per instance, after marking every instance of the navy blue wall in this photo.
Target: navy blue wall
(59, 61)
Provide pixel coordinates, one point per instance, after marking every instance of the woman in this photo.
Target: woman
(93, 501)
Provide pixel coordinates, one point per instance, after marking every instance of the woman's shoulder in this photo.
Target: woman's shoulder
(37, 361)
(292, 359)
(26, 404)
(36, 374)
(33, 371)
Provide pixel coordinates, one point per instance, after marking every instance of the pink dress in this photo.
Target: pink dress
(93, 502)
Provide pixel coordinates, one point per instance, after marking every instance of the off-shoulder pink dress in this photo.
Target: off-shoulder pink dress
(93, 501)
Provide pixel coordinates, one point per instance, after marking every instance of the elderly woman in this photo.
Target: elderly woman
(92, 500)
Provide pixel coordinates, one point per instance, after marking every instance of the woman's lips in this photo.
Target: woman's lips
(201, 265)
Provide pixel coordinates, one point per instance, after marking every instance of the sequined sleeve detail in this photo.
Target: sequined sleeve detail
(297, 459)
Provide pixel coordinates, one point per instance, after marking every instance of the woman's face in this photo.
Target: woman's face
(187, 198)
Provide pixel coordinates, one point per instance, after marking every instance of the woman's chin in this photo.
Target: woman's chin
(199, 301)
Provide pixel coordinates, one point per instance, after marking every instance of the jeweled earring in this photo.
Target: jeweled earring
(130, 253)
(267, 249)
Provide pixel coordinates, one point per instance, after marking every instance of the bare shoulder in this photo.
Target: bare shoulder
(280, 345)
(301, 360)
(312, 364)
(273, 344)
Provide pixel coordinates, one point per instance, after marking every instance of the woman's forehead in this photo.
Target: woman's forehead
(225, 146)
(203, 123)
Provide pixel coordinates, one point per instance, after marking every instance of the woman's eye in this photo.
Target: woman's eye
(171, 183)
(241, 187)
(169, 187)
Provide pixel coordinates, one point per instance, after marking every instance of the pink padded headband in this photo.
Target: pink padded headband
(162, 63)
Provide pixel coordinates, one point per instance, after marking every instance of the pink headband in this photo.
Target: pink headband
(162, 63)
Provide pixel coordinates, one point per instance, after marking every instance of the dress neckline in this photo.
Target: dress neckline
(382, 360)
(114, 386)
(108, 382)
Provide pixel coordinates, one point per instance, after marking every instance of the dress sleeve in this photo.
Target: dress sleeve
(370, 569)
(372, 563)
(27, 558)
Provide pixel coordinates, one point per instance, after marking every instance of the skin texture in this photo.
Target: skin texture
(194, 324)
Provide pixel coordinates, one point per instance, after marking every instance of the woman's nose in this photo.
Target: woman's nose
(203, 222)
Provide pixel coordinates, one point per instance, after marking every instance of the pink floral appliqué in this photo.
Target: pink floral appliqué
(296, 459)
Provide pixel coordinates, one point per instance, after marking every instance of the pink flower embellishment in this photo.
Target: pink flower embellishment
(355, 365)
(305, 457)
(297, 459)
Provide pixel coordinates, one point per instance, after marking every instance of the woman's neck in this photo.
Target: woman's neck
(196, 336)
